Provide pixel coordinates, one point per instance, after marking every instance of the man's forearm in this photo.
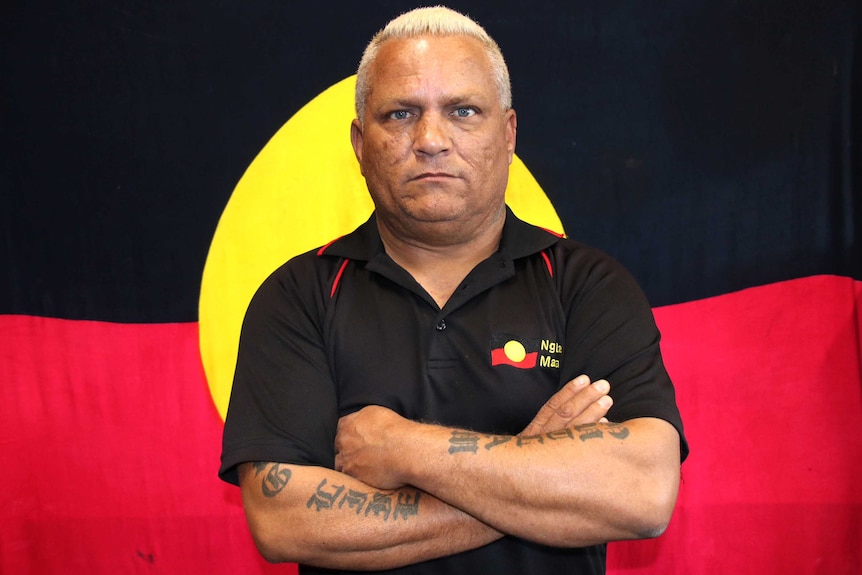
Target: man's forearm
(317, 516)
(571, 487)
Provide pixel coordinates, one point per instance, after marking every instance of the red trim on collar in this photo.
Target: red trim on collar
(552, 232)
(338, 278)
(324, 248)
(548, 263)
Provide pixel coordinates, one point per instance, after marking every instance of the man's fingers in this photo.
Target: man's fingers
(594, 412)
(578, 402)
(557, 403)
(564, 403)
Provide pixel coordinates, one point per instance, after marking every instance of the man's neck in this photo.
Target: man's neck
(440, 267)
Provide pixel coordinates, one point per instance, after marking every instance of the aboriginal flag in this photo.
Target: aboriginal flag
(507, 349)
(713, 147)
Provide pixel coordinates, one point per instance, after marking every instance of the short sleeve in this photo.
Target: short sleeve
(611, 334)
(283, 404)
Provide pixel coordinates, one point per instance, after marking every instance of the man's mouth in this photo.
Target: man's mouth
(433, 176)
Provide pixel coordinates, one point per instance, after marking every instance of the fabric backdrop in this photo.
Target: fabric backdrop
(711, 146)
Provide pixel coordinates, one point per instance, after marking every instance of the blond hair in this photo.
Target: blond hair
(432, 21)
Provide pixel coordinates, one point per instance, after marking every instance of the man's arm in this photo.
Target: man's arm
(321, 517)
(571, 487)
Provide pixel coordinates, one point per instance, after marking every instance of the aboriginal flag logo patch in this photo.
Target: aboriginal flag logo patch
(519, 352)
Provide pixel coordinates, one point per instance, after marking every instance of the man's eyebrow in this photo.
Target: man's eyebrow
(461, 100)
(396, 103)
(446, 102)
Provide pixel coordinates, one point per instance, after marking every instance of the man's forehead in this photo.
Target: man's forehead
(452, 63)
(452, 47)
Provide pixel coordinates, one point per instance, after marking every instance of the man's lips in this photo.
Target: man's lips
(433, 176)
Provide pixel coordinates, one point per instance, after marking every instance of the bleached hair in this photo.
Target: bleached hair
(432, 21)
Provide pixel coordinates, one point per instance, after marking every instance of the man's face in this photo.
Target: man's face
(435, 144)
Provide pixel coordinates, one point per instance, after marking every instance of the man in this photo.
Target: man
(417, 395)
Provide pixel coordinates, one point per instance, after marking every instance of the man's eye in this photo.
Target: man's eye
(464, 112)
(400, 115)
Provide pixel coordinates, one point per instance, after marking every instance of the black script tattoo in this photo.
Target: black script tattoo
(588, 432)
(593, 431)
(470, 442)
(354, 500)
(528, 439)
(495, 440)
(619, 431)
(385, 506)
(380, 505)
(325, 499)
(566, 433)
(406, 506)
(464, 441)
(276, 477)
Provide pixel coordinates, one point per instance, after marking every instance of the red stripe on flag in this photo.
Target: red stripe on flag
(499, 357)
(768, 381)
(111, 444)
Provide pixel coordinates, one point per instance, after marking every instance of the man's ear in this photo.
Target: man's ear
(356, 140)
(511, 132)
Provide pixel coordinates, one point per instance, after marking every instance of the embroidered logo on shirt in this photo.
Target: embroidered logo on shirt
(524, 353)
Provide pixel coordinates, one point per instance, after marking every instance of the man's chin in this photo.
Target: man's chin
(444, 228)
(433, 213)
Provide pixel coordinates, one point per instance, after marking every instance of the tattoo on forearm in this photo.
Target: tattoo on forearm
(385, 506)
(470, 442)
(593, 430)
(276, 477)
(496, 440)
(464, 441)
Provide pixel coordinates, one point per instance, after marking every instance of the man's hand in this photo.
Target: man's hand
(366, 446)
(577, 403)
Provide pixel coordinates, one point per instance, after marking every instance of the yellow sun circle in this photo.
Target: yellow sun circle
(302, 190)
(515, 351)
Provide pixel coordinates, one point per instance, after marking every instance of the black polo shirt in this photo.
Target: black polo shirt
(337, 329)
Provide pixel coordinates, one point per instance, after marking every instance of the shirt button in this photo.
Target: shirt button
(441, 325)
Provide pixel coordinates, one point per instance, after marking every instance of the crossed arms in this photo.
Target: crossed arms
(404, 492)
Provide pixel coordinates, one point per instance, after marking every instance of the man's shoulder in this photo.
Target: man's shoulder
(360, 244)
(564, 255)
(302, 278)
(571, 252)
(573, 248)
(301, 265)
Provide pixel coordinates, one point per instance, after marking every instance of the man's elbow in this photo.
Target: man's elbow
(278, 543)
(658, 485)
(271, 553)
(657, 510)
(652, 528)
(270, 543)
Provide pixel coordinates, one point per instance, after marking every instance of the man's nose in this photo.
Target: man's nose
(432, 135)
